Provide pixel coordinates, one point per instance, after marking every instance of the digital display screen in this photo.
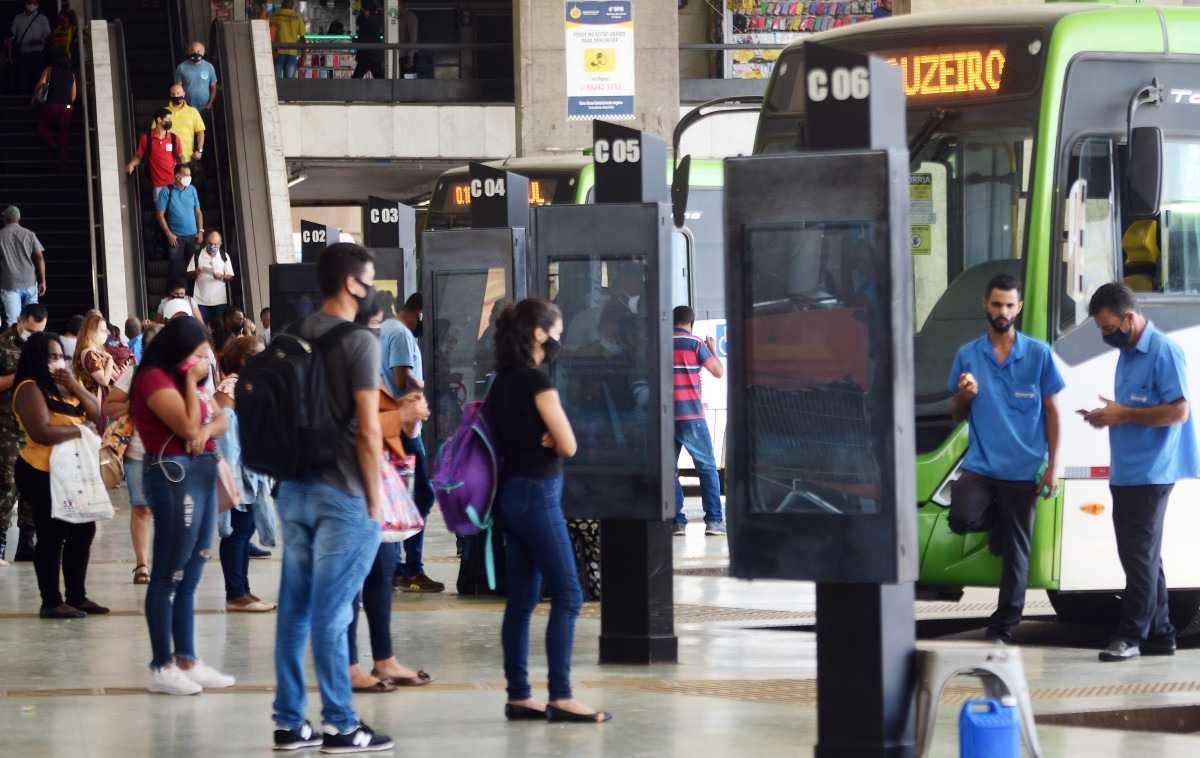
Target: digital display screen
(816, 310)
(458, 194)
(969, 71)
(602, 372)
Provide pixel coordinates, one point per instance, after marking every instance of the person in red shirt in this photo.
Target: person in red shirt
(160, 148)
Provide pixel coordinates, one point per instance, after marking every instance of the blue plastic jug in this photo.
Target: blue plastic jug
(988, 729)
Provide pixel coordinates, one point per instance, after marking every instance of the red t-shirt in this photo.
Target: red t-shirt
(153, 431)
(162, 160)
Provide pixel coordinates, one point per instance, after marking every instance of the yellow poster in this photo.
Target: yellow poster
(600, 59)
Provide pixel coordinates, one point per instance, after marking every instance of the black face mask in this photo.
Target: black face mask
(1000, 328)
(166, 126)
(365, 302)
(419, 329)
(177, 101)
(196, 57)
(552, 347)
(1118, 339)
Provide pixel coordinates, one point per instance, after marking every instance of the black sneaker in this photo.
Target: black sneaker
(361, 740)
(254, 551)
(297, 739)
(1164, 645)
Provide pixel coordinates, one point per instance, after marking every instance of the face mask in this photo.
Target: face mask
(1000, 328)
(366, 302)
(552, 347)
(166, 126)
(214, 249)
(58, 364)
(1118, 339)
(612, 348)
(24, 334)
(185, 181)
(419, 329)
(177, 100)
(196, 57)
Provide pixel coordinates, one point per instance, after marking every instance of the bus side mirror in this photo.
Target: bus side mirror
(1144, 171)
(680, 183)
(1074, 254)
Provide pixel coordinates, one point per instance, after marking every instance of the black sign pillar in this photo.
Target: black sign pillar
(391, 234)
(821, 460)
(498, 198)
(314, 238)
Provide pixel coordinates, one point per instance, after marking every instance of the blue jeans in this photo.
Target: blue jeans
(376, 600)
(211, 313)
(15, 300)
(538, 546)
(693, 434)
(411, 563)
(329, 542)
(185, 513)
(286, 66)
(235, 554)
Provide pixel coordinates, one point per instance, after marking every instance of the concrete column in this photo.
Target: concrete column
(539, 42)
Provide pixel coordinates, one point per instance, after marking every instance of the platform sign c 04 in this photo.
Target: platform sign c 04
(600, 59)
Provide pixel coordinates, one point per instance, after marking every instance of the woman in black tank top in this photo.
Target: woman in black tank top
(54, 118)
(533, 435)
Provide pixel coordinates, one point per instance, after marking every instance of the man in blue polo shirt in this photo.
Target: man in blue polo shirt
(1005, 383)
(181, 221)
(1153, 445)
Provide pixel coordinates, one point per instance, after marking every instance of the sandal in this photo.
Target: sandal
(141, 574)
(383, 685)
(420, 680)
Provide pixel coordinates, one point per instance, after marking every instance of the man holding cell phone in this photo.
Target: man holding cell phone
(1005, 383)
(1153, 445)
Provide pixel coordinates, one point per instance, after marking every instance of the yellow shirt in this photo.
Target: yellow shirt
(288, 26)
(185, 123)
(38, 455)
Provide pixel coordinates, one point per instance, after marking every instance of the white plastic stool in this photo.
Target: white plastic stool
(999, 667)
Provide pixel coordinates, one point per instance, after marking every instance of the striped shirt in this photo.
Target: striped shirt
(691, 355)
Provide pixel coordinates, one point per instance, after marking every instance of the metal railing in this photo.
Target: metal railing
(91, 148)
(395, 51)
(134, 218)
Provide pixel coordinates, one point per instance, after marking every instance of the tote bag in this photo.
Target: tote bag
(77, 491)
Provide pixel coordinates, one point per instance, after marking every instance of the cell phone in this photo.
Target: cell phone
(1082, 412)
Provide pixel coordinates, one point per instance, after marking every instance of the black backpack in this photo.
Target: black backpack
(286, 423)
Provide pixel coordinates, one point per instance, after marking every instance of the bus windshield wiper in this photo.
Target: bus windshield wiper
(935, 121)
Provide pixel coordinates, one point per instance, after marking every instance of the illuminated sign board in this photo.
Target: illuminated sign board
(458, 194)
(951, 72)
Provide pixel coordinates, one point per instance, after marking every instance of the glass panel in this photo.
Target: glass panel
(1092, 161)
(467, 304)
(1181, 218)
(601, 375)
(681, 270)
(815, 300)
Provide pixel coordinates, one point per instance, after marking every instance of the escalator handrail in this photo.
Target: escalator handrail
(89, 143)
(135, 193)
(227, 182)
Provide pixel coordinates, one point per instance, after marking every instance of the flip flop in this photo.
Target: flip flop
(558, 715)
(382, 686)
(420, 680)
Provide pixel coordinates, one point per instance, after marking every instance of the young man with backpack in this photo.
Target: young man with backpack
(329, 498)
(159, 147)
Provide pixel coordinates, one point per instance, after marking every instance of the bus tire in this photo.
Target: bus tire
(1105, 607)
(1086, 607)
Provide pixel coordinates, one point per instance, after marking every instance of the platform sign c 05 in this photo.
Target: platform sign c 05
(599, 59)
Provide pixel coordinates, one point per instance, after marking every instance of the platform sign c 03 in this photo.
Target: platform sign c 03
(600, 59)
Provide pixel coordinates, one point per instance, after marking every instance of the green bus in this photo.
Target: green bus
(1019, 124)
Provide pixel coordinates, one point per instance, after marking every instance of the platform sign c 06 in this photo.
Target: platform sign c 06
(599, 59)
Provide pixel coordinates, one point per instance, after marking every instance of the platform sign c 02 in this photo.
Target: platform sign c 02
(600, 58)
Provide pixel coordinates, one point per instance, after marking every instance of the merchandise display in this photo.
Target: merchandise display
(780, 23)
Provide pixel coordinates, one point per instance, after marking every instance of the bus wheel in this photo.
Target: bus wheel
(1185, 604)
(1086, 607)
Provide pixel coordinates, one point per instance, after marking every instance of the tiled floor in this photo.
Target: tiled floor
(743, 685)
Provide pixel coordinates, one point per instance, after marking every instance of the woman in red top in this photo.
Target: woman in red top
(178, 422)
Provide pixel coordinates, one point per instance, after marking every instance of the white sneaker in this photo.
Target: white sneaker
(208, 677)
(169, 680)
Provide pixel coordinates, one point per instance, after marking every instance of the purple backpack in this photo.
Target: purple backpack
(465, 477)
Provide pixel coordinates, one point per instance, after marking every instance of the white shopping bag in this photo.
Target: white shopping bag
(77, 491)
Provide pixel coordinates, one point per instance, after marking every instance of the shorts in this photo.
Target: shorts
(134, 469)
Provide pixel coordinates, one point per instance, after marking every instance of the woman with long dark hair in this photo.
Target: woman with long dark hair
(50, 404)
(533, 436)
(178, 423)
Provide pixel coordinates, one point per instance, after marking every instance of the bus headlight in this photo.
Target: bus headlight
(942, 496)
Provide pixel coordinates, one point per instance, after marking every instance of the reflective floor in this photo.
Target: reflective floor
(743, 685)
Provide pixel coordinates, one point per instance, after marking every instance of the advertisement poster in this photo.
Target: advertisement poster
(600, 59)
(920, 212)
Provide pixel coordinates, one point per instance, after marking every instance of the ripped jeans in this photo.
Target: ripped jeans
(182, 491)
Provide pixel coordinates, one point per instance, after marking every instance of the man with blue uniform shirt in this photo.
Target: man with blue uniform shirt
(1153, 445)
(1005, 383)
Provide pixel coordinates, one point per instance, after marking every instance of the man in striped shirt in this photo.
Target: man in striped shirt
(691, 431)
